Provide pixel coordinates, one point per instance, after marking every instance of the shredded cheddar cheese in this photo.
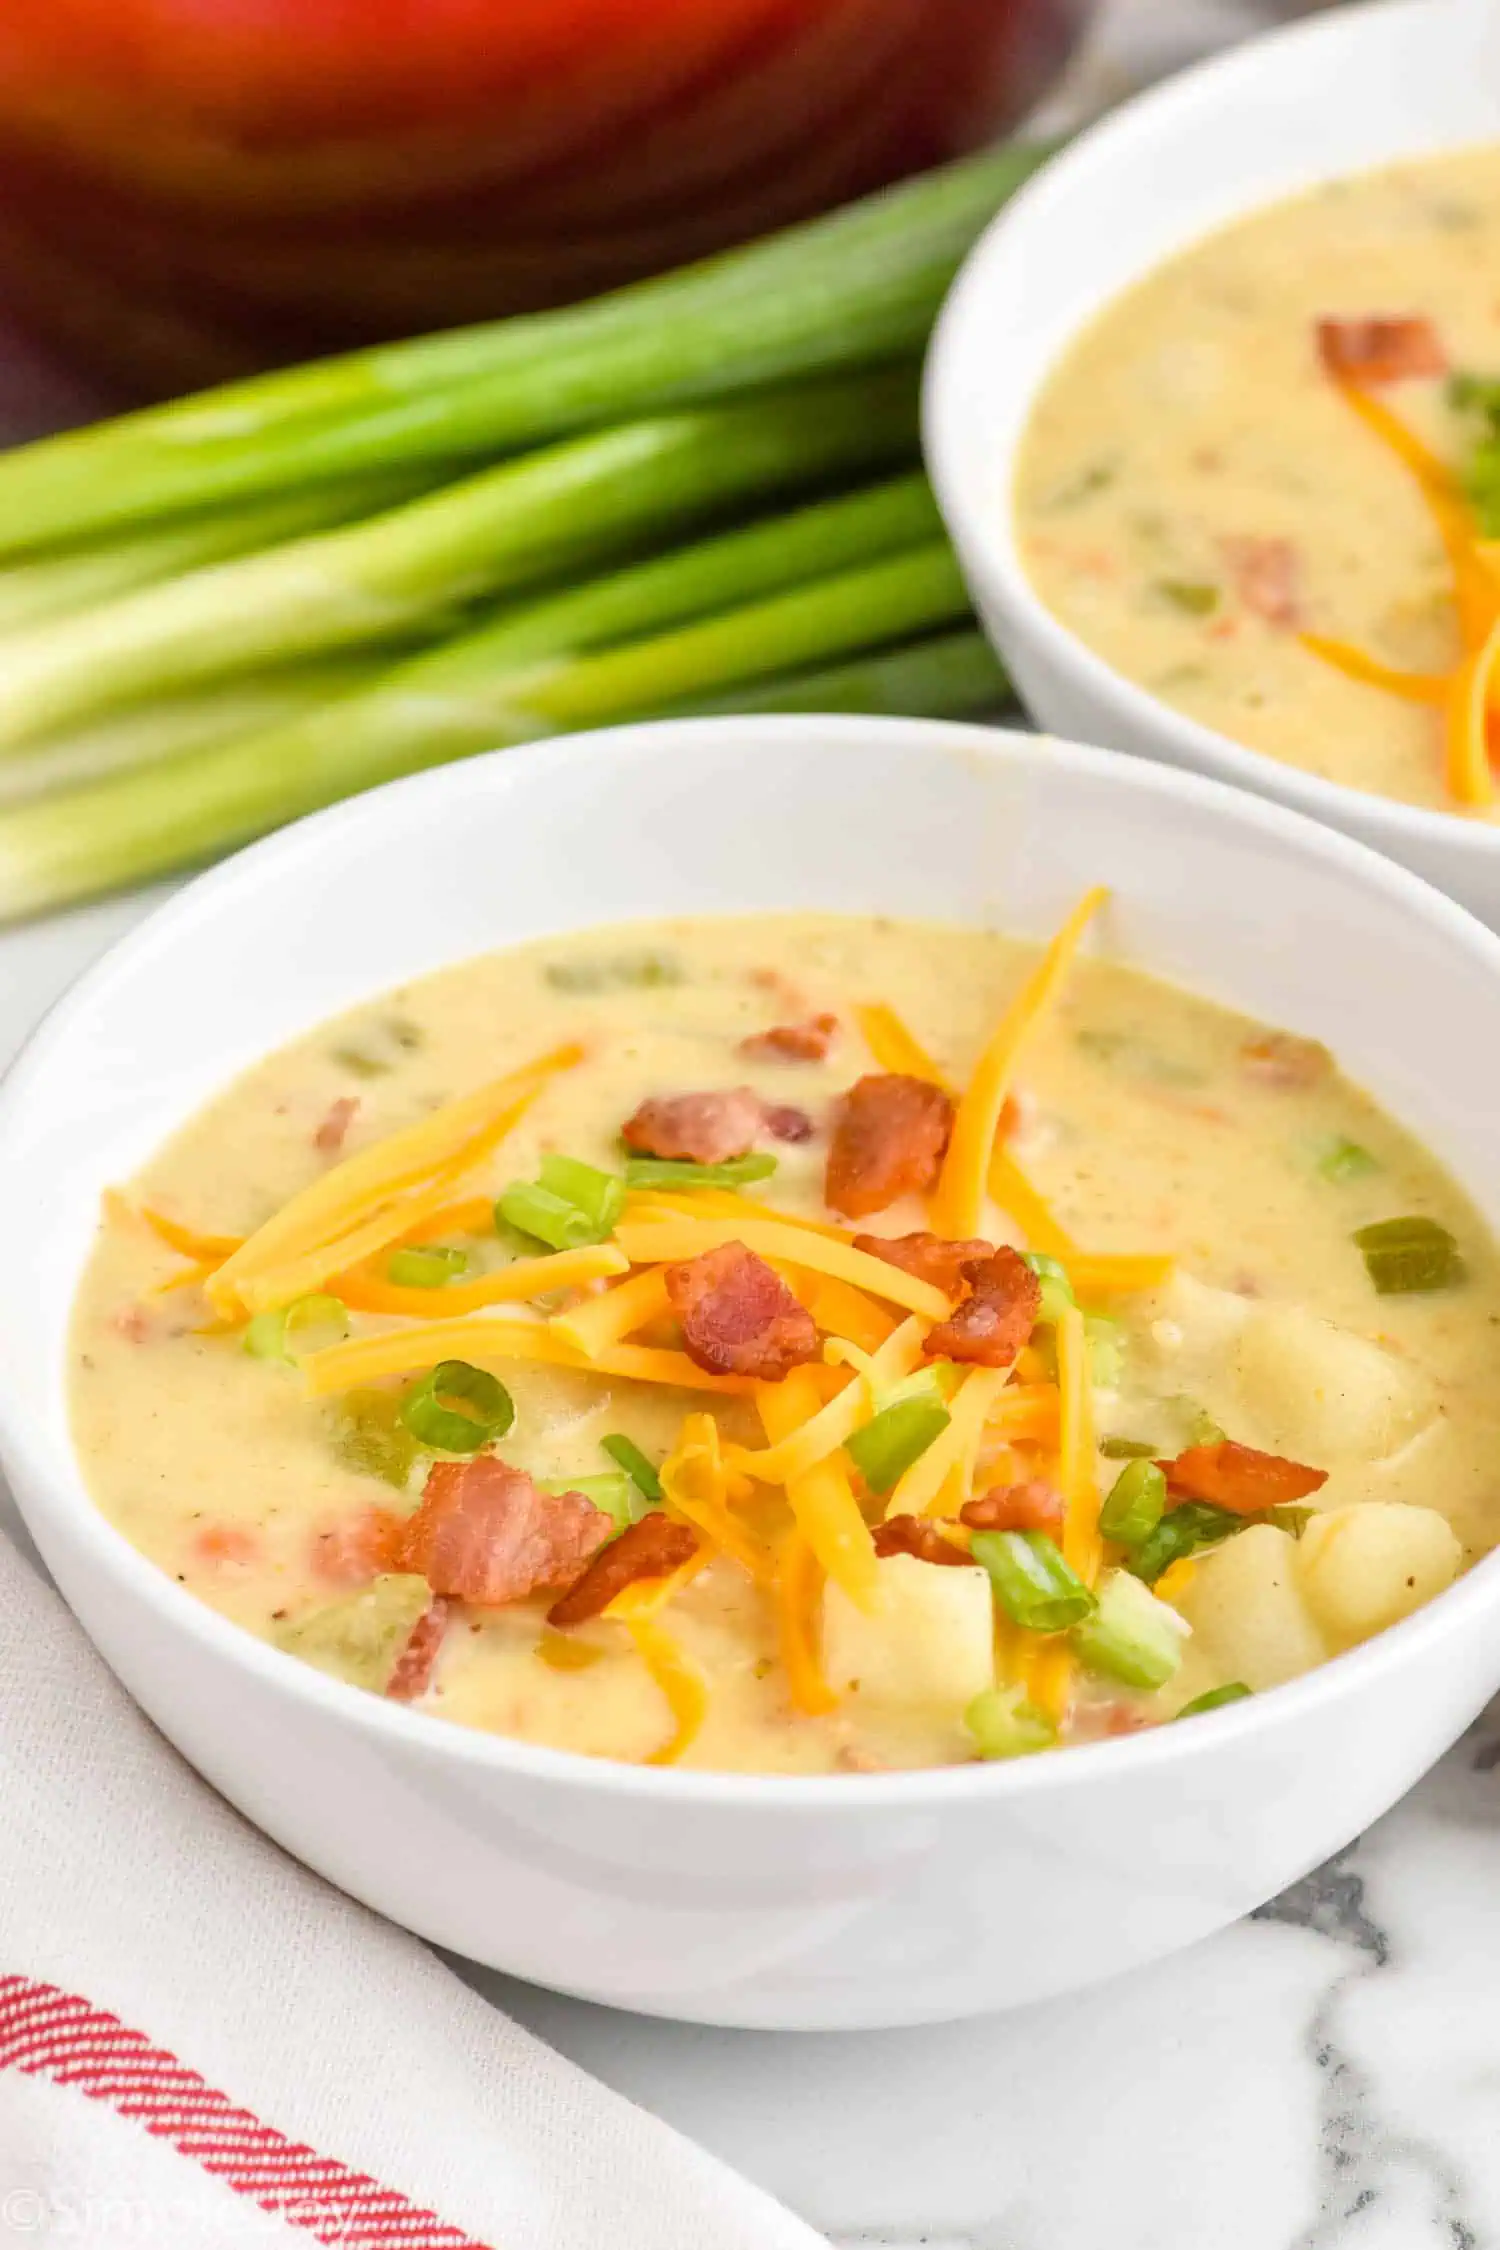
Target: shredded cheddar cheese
(488, 1342)
(695, 1486)
(895, 1049)
(923, 1486)
(681, 1683)
(669, 1242)
(826, 1430)
(798, 1583)
(821, 1498)
(958, 1203)
(617, 1314)
(339, 1205)
(1049, 1669)
(513, 1285)
(188, 1242)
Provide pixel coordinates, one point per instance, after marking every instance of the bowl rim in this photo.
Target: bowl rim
(56, 1489)
(985, 535)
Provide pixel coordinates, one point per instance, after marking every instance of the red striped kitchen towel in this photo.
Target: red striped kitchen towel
(203, 2045)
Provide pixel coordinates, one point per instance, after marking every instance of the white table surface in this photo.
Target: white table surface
(1323, 2077)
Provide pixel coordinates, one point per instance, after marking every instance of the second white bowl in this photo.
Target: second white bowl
(1362, 87)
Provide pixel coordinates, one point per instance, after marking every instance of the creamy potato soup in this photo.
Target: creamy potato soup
(796, 1344)
(1261, 486)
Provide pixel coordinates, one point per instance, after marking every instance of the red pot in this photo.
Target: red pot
(191, 187)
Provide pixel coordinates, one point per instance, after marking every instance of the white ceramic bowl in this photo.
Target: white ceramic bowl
(857, 1899)
(1358, 88)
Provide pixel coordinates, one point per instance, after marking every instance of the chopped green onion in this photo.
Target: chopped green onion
(1033, 1584)
(664, 1172)
(1105, 1339)
(599, 1195)
(1194, 597)
(1131, 1636)
(373, 1438)
(1057, 1290)
(1341, 1159)
(1215, 1698)
(633, 1461)
(1199, 1427)
(427, 1268)
(889, 1443)
(614, 1494)
(1404, 1256)
(1136, 1504)
(1181, 1532)
(1292, 1520)
(310, 1322)
(457, 1408)
(358, 1063)
(1005, 1725)
(618, 971)
(1127, 1449)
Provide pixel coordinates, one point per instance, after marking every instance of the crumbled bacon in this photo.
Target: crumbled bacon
(1280, 1059)
(784, 1123)
(1239, 1478)
(353, 1550)
(1033, 1506)
(649, 1549)
(133, 1322)
(992, 1323)
(414, 1667)
(889, 1138)
(738, 1316)
(485, 1533)
(930, 1257)
(709, 1128)
(1383, 348)
(792, 1042)
(919, 1536)
(1267, 575)
(339, 1116)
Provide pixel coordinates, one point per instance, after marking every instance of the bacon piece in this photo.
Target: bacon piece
(1383, 348)
(1033, 1506)
(226, 1543)
(710, 1128)
(1282, 1060)
(134, 1323)
(919, 1536)
(484, 1533)
(1239, 1478)
(929, 1256)
(890, 1135)
(784, 1123)
(329, 1137)
(1267, 575)
(996, 1318)
(414, 1667)
(792, 1042)
(738, 1316)
(356, 1548)
(649, 1549)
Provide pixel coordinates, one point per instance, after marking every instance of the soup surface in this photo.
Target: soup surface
(1197, 490)
(853, 1565)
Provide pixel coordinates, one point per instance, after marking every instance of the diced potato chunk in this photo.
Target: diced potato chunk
(928, 1643)
(1246, 1607)
(1365, 1567)
(1323, 1394)
(359, 1637)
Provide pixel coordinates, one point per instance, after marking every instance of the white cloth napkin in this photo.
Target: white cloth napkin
(203, 2045)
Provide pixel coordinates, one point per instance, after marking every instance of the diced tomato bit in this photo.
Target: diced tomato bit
(990, 1325)
(1382, 348)
(1033, 1506)
(648, 1549)
(485, 1533)
(337, 1119)
(738, 1316)
(1267, 575)
(1279, 1058)
(414, 1667)
(706, 1128)
(889, 1138)
(918, 1536)
(356, 1548)
(793, 1042)
(1239, 1478)
(930, 1257)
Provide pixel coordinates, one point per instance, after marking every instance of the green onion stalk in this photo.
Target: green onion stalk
(852, 290)
(139, 825)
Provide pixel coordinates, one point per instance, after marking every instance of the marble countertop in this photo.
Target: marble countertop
(1323, 2077)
